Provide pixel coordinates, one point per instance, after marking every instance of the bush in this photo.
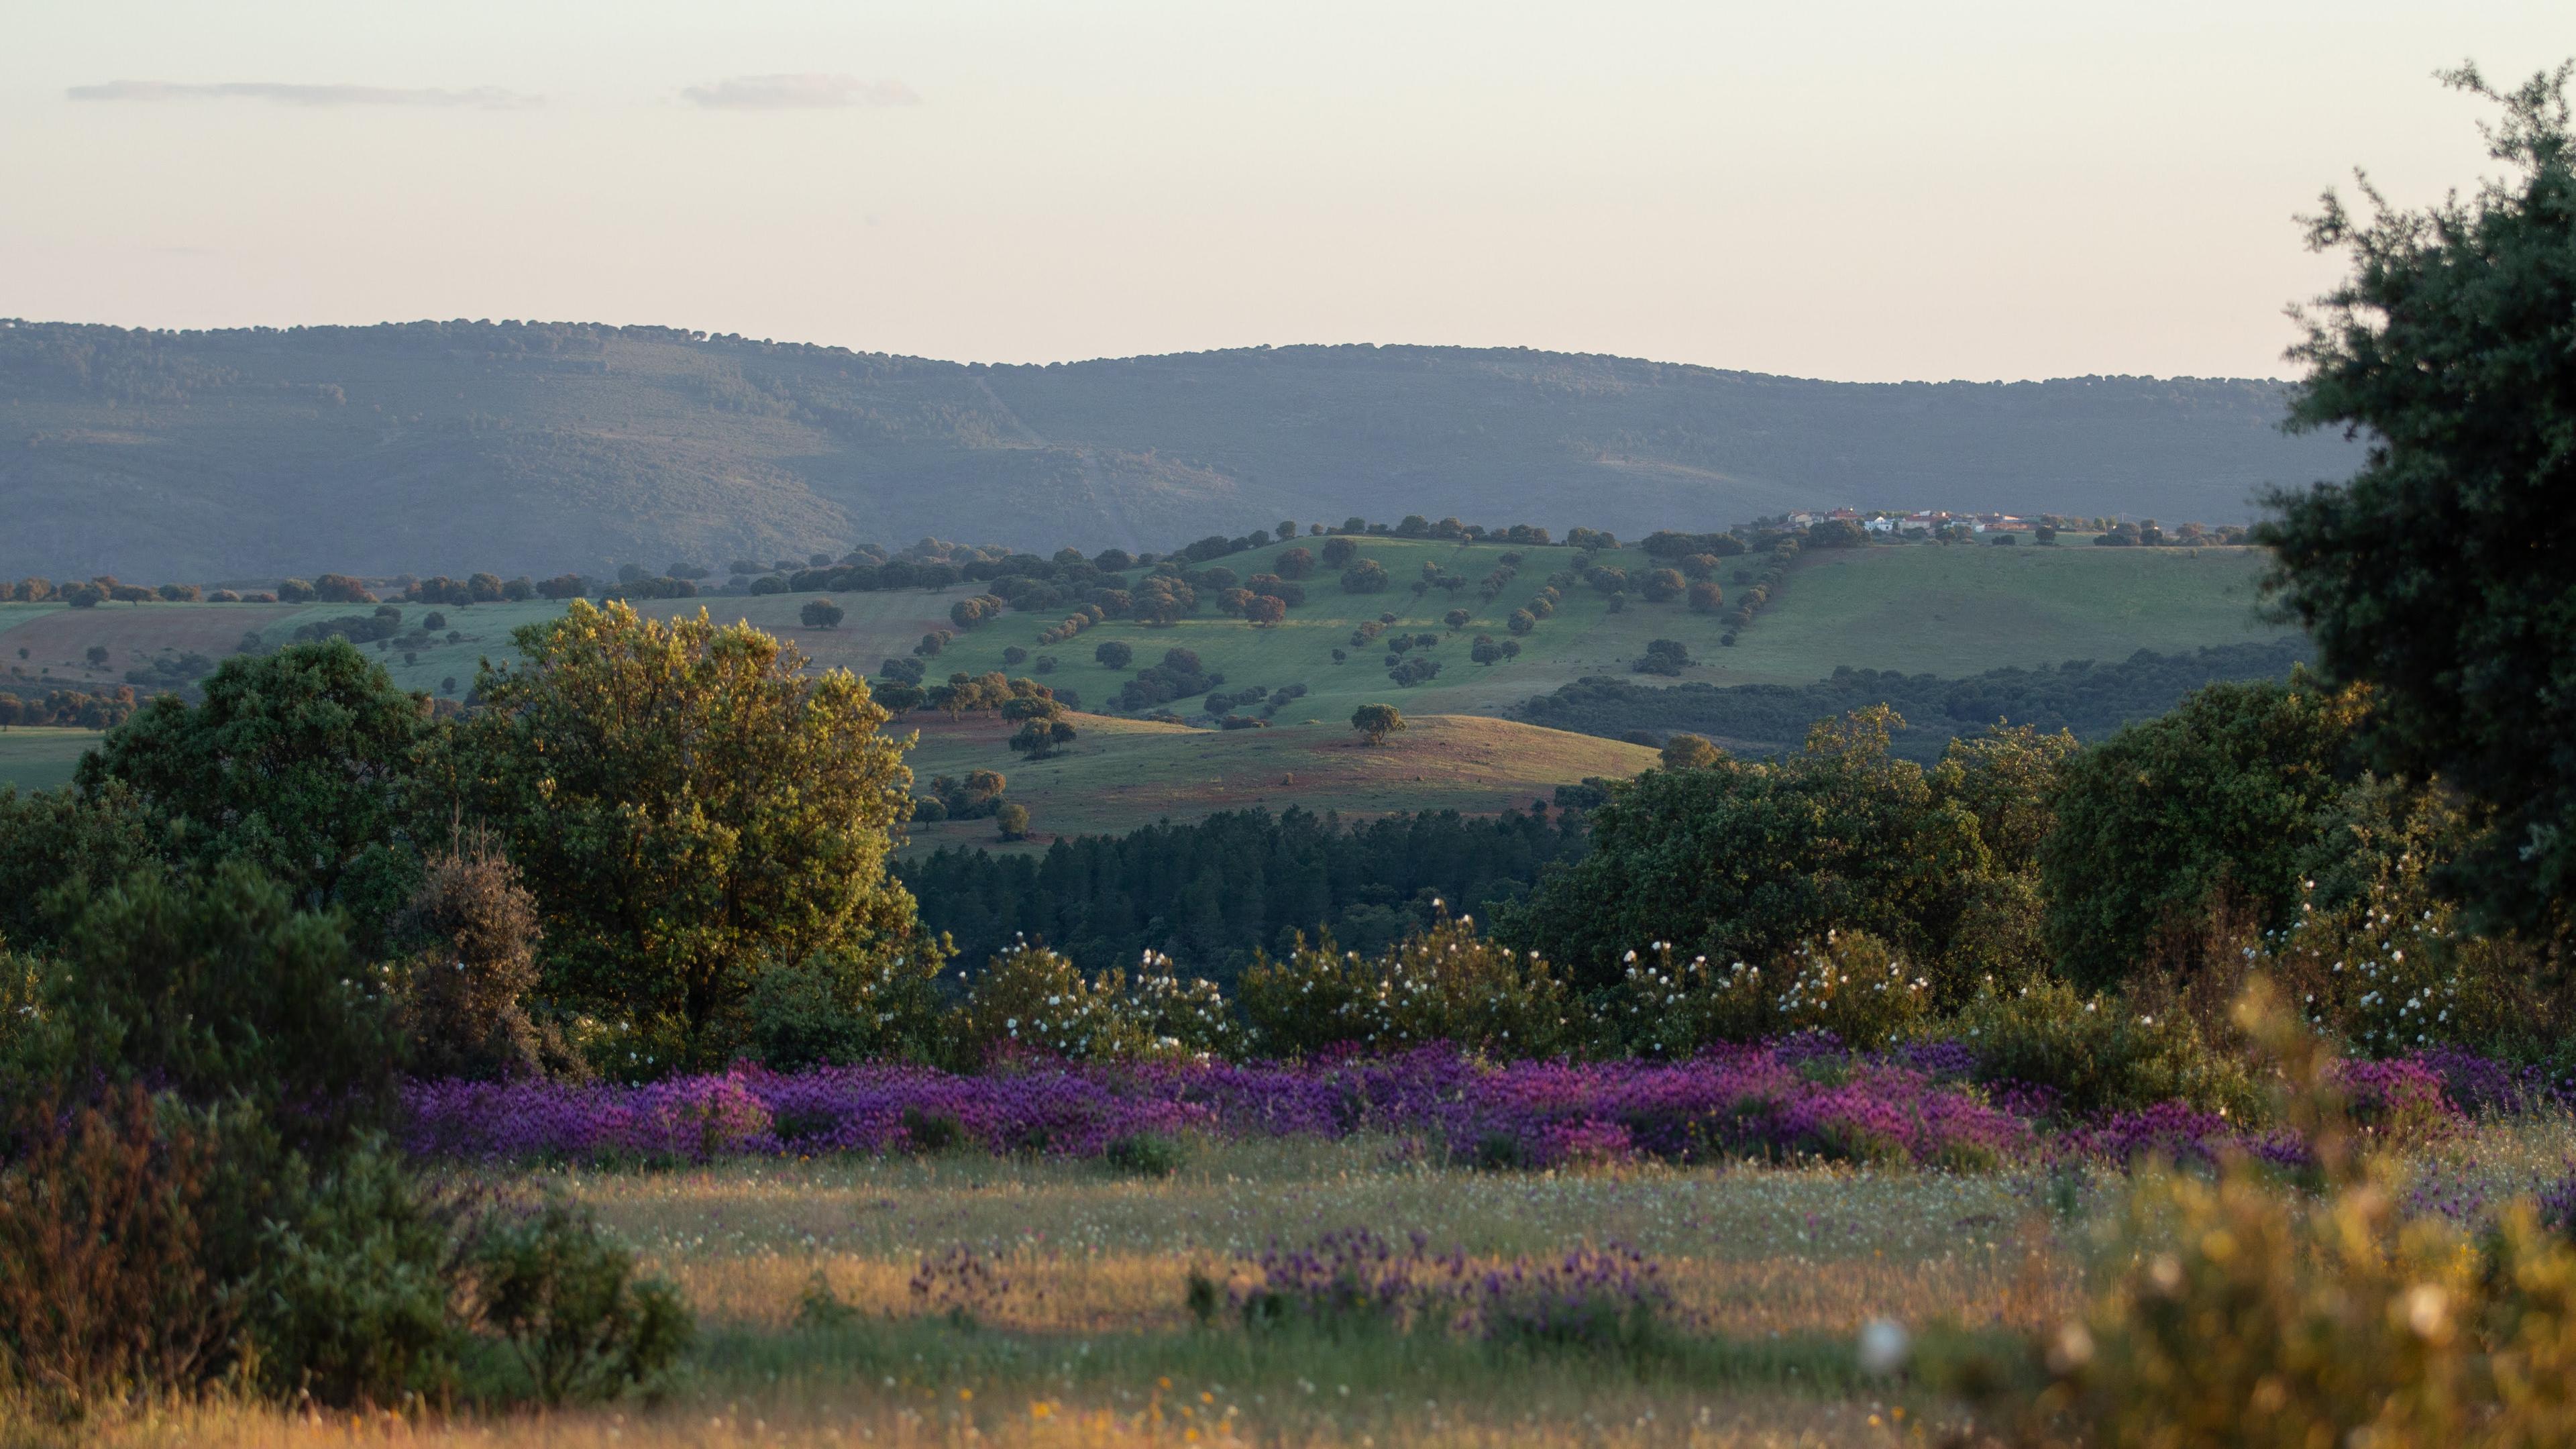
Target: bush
(832, 1009)
(215, 992)
(2223, 796)
(1032, 997)
(2102, 1053)
(351, 1303)
(561, 1309)
(101, 1288)
(1144, 1154)
(1447, 984)
(1848, 983)
(461, 1003)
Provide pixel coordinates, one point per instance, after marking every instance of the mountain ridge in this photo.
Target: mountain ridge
(541, 447)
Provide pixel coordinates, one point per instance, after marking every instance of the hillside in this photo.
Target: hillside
(1125, 773)
(1927, 612)
(448, 447)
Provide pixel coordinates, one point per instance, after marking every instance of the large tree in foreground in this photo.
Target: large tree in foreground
(2444, 572)
(689, 809)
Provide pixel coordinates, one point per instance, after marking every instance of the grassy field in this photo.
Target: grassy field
(1920, 608)
(1086, 1340)
(40, 758)
(1124, 773)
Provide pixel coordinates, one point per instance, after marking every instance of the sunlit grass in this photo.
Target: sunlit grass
(1772, 1270)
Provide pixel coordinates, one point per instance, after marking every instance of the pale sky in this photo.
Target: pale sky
(1861, 191)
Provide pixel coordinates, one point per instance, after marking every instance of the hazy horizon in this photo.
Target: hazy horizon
(1863, 192)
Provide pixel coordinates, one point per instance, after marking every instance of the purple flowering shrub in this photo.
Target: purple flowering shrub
(1770, 1102)
(1590, 1298)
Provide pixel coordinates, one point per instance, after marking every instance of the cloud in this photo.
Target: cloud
(800, 92)
(487, 98)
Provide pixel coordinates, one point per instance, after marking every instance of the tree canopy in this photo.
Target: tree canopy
(689, 809)
(2444, 572)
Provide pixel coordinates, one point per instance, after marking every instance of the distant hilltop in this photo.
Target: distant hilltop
(543, 448)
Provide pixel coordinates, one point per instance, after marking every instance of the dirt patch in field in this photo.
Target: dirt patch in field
(133, 633)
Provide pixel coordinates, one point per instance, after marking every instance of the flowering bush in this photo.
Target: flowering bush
(1589, 1298)
(1447, 984)
(1850, 984)
(1034, 998)
(2094, 1054)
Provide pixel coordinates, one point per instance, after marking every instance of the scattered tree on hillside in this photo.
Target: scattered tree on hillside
(1012, 820)
(1689, 752)
(821, 614)
(1377, 721)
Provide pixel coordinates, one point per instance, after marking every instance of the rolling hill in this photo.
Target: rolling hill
(447, 447)
(1949, 612)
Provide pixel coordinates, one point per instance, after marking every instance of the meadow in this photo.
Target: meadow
(963, 1298)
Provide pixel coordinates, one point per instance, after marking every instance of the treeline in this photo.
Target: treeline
(69, 707)
(2085, 697)
(1239, 882)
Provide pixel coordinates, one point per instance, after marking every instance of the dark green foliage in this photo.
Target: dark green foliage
(821, 614)
(302, 762)
(212, 992)
(837, 1009)
(351, 1299)
(1144, 1154)
(53, 838)
(1214, 892)
(2089, 699)
(2220, 798)
(2444, 572)
(1742, 861)
(1663, 656)
(570, 1318)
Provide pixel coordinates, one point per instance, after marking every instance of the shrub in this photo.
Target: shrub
(219, 991)
(2221, 796)
(1033, 997)
(2101, 1053)
(563, 1308)
(1848, 983)
(1144, 1154)
(351, 1303)
(461, 1003)
(102, 1291)
(1446, 984)
(834, 1009)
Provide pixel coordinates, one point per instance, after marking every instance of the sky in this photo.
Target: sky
(1862, 191)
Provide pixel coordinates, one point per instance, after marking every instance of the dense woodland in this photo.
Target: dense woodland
(1217, 893)
(2082, 696)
